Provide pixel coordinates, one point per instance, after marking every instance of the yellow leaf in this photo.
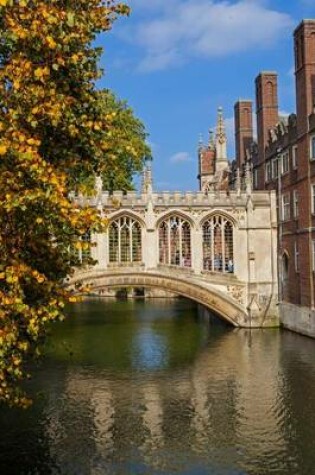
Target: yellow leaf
(38, 72)
(3, 148)
(51, 42)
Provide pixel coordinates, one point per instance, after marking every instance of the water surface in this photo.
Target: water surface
(148, 387)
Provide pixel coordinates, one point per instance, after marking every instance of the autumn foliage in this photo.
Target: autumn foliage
(54, 134)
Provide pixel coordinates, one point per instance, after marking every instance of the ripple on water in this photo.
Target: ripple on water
(151, 389)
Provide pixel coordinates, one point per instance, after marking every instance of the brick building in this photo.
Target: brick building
(283, 159)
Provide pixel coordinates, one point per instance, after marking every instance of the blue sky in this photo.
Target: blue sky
(177, 61)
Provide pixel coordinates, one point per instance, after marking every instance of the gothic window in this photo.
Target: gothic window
(83, 250)
(125, 240)
(218, 253)
(175, 242)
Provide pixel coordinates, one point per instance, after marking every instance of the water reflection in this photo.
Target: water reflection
(146, 388)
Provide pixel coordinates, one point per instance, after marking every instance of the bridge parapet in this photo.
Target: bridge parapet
(218, 199)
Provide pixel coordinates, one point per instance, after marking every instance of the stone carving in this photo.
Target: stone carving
(237, 292)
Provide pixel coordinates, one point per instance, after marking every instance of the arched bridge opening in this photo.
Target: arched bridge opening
(216, 301)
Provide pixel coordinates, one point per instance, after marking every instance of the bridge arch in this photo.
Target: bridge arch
(215, 300)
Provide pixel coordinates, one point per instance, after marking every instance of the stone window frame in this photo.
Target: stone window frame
(83, 253)
(295, 200)
(285, 163)
(255, 178)
(286, 203)
(218, 244)
(123, 247)
(174, 243)
(275, 168)
(268, 172)
(294, 157)
(313, 198)
(312, 147)
(296, 257)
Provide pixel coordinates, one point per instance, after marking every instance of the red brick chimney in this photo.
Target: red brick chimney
(304, 49)
(243, 118)
(266, 108)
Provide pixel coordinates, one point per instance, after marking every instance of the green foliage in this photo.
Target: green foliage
(55, 133)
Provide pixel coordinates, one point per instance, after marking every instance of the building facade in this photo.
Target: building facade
(283, 159)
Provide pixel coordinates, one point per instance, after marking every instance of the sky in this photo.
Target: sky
(176, 61)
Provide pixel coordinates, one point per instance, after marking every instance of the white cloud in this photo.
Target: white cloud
(180, 157)
(203, 28)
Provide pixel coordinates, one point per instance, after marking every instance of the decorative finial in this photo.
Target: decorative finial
(221, 142)
(200, 141)
(211, 139)
(220, 124)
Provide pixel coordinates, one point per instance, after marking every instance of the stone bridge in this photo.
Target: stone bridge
(223, 295)
(217, 247)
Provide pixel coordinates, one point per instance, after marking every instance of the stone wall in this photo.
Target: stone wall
(298, 319)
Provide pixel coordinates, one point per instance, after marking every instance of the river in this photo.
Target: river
(149, 387)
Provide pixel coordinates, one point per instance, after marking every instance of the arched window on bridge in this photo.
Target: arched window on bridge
(125, 240)
(82, 248)
(175, 242)
(218, 245)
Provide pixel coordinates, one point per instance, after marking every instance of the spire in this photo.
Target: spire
(220, 125)
(211, 139)
(200, 142)
(147, 176)
(221, 142)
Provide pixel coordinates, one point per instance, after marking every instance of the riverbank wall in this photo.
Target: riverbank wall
(297, 318)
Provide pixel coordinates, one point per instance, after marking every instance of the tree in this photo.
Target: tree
(124, 144)
(54, 133)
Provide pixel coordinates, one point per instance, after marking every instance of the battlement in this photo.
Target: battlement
(175, 199)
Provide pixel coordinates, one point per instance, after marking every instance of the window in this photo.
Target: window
(83, 250)
(218, 245)
(295, 204)
(286, 207)
(175, 242)
(294, 156)
(125, 241)
(285, 162)
(312, 148)
(255, 178)
(313, 198)
(313, 254)
(275, 168)
(268, 172)
(296, 257)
